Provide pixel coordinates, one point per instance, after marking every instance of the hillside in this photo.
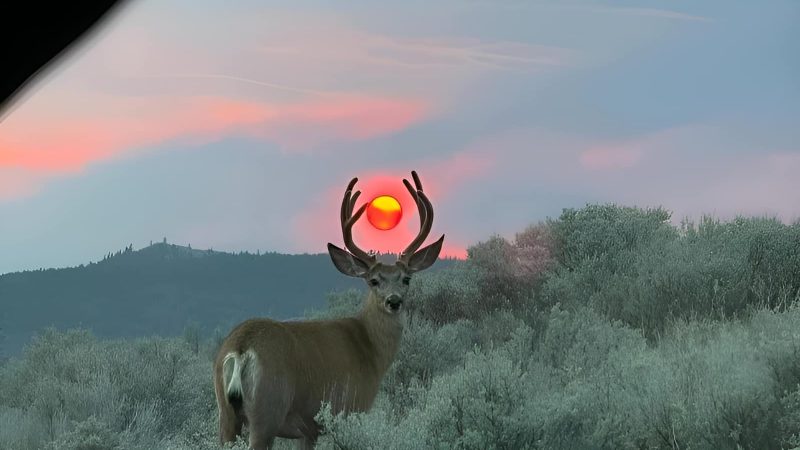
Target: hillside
(162, 288)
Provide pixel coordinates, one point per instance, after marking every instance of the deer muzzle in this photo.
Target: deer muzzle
(393, 301)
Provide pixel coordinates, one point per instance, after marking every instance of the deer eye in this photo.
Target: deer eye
(406, 280)
(374, 282)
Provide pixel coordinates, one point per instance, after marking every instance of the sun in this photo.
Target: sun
(384, 212)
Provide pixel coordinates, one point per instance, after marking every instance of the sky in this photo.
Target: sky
(237, 125)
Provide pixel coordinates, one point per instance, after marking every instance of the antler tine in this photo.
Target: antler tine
(417, 183)
(353, 203)
(348, 219)
(347, 207)
(425, 216)
(423, 213)
(425, 227)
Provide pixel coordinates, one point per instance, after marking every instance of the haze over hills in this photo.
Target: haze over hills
(164, 287)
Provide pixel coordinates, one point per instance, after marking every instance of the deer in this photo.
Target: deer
(273, 376)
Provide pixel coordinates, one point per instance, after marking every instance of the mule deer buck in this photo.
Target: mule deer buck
(273, 376)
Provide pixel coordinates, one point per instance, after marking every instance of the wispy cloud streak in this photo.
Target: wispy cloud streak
(73, 143)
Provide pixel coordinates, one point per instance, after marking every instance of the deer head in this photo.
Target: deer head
(388, 283)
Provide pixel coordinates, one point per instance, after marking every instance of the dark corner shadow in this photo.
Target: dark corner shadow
(36, 35)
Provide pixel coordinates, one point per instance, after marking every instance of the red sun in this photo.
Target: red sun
(384, 212)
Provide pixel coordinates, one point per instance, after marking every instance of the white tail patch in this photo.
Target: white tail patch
(232, 367)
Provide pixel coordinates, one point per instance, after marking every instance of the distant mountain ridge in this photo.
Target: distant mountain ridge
(161, 288)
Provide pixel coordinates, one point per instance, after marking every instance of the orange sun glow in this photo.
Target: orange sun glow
(384, 212)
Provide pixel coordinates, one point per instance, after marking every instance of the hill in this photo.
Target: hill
(162, 288)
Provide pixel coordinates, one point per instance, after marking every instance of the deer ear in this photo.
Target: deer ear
(426, 256)
(346, 262)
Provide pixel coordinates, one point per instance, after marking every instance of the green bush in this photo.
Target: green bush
(592, 383)
(475, 407)
(632, 265)
(608, 233)
(340, 304)
(426, 351)
(448, 295)
(89, 434)
(790, 422)
(598, 248)
(80, 392)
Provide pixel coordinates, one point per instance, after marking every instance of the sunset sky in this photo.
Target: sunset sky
(237, 125)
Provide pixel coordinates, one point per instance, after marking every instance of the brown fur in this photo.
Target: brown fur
(355, 353)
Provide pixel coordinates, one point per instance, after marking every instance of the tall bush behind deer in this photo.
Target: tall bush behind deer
(273, 376)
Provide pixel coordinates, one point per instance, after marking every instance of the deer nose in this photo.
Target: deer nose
(394, 301)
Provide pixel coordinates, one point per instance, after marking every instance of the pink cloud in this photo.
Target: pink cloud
(453, 251)
(303, 126)
(754, 185)
(307, 80)
(69, 144)
(670, 172)
(608, 157)
(122, 125)
(16, 184)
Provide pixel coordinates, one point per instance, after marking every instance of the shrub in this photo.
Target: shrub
(592, 383)
(606, 232)
(476, 407)
(72, 391)
(448, 295)
(511, 272)
(426, 351)
(340, 304)
(89, 434)
(790, 422)
(631, 265)
(597, 252)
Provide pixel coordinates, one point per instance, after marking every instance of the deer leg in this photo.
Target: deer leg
(265, 422)
(310, 430)
(230, 420)
(230, 425)
(261, 442)
(307, 442)
(263, 428)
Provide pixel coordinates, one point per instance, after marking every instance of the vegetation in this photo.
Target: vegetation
(161, 289)
(605, 328)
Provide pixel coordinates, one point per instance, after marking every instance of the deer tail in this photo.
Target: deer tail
(232, 366)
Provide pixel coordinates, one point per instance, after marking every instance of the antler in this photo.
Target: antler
(425, 216)
(348, 219)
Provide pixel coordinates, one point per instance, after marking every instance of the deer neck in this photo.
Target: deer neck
(384, 331)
